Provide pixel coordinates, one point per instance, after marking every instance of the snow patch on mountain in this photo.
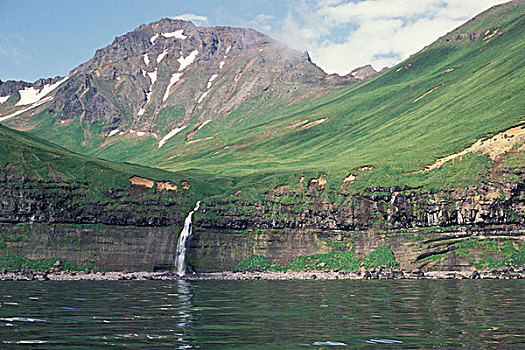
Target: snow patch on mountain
(202, 96)
(23, 110)
(113, 132)
(152, 76)
(178, 34)
(204, 123)
(186, 61)
(153, 38)
(162, 55)
(3, 99)
(170, 135)
(174, 79)
(148, 94)
(31, 95)
(212, 78)
(146, 59)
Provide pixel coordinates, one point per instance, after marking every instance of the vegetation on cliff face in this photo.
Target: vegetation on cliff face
(253, 263)
(508, 254)
(13, 262)
(343, 261)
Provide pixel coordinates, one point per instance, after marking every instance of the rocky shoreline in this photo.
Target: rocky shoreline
(57, 275)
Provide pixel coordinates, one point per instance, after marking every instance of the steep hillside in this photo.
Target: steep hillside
(41, 182)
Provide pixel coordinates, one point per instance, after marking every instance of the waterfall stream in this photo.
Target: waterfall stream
(182, 243)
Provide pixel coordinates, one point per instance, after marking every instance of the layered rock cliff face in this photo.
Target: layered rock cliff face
(442, 230)
(29, 201)
(386, 208)
(425, 230)
(122, 230)
(106, 247)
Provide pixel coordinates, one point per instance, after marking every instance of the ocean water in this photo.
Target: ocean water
(442, 314)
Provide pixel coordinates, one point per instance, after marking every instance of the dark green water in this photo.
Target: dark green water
(263, 314)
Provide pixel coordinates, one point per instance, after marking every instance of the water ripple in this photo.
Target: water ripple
(264, 314)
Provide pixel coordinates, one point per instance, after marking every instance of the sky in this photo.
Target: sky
(40, 39)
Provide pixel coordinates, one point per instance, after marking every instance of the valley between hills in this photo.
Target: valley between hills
(419, 167)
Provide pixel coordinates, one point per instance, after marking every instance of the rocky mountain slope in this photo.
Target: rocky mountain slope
(165, 78)
(365, 72)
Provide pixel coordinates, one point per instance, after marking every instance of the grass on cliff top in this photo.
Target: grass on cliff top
(26, 157)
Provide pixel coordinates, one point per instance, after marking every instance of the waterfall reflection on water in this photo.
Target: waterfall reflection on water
(184, 313)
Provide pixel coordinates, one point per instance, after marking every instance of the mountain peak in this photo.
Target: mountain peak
(171, 75)
(364, 72)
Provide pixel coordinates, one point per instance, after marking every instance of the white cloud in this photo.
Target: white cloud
(196, 19)
(342, 35)
(262, 17)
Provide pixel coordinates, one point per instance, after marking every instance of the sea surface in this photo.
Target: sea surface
(429, 314)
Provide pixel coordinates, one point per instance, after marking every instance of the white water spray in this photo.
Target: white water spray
(182, 243)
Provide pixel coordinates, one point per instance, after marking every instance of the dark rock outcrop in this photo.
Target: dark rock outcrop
(25, 201)
(385, 208)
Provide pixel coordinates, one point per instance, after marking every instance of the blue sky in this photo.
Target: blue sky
(48, 38)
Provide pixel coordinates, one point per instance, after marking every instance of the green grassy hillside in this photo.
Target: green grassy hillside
(436, 103)
(27, 158)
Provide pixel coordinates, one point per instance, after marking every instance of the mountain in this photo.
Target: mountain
(163, 78)
(422, 165)
(365, 72)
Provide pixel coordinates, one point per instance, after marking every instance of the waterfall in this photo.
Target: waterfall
(182, 243)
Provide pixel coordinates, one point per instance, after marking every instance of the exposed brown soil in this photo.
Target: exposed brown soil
(496, 147)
